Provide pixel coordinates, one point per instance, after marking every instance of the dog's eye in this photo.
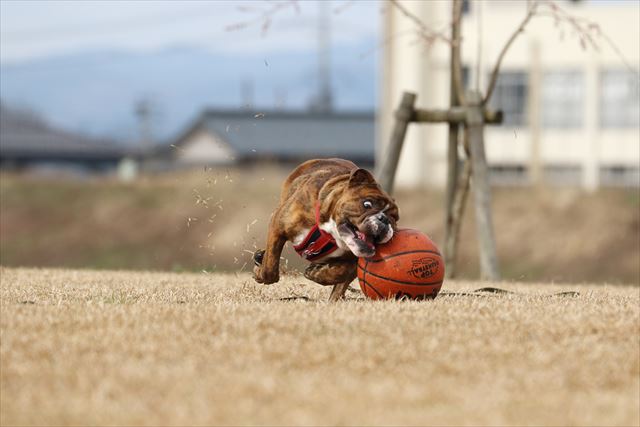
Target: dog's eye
(367, 204)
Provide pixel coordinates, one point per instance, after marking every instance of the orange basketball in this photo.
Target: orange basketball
(409, 266)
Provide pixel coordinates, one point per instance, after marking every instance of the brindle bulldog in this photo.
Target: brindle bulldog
(333, 212)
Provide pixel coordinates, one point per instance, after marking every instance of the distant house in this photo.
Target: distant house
(27, 141)
(239, 136)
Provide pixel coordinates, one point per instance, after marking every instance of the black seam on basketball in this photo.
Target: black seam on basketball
(432, 295)
(405, 253)
(364, 271)
(372, 287)
(364, 268)
(366, 264)
(364, 278)
(403, 282)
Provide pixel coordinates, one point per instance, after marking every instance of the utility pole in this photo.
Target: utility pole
(143, 113)
(323, 101)
(246, 94)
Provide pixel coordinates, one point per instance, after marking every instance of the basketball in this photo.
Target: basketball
(407, 266)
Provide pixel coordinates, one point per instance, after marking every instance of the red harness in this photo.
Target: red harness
(318, 243)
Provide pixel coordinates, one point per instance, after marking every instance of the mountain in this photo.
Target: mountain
(95, 92)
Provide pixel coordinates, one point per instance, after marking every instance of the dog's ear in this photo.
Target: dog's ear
(361, 177)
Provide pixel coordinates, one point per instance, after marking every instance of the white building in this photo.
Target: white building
(572, 115)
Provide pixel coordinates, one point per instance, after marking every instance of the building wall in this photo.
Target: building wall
(412, 67)
(539, 150)
(202, 147)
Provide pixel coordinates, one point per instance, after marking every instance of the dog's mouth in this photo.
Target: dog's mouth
(361, 244)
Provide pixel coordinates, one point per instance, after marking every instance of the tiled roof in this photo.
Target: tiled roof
(287, 134)
(24, 136)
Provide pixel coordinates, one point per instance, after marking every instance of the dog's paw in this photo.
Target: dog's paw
(258, 256)
(257, 274)
(265, 280)
(260, 276)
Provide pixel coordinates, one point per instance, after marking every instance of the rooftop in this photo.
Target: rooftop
(24, 135)
(291, 134)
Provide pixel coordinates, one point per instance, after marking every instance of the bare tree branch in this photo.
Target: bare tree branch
(496, 69)
(265, 17)
(427, 34)
(586, 30)
(386, 42)
(479, 44)
(456, 66)
(457, 215)
(341, 8)
(456, 97)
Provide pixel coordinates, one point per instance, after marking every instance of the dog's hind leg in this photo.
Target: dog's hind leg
(338, 274)
(338, 291)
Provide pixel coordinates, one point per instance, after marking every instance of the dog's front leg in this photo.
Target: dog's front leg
(267, 262)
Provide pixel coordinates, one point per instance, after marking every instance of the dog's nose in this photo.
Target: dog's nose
(383, 218)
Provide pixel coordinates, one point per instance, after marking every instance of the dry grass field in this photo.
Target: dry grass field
(136, 348)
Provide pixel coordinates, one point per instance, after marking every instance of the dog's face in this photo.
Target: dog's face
(364, 214)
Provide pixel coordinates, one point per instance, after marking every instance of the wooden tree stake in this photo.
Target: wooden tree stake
(456, 96)
(481, 189)
(404, 115)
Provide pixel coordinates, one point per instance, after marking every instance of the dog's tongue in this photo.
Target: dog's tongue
(361, 236)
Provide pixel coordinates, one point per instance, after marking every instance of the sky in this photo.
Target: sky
(35, 29)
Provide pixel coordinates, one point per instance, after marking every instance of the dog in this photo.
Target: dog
(333, 212)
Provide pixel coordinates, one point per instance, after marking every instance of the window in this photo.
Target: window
(620, 176)
(562, 99)
(619, 99)
(510, 96)
(508, 174)
(570, 175)
(466, 7)
(466, 77)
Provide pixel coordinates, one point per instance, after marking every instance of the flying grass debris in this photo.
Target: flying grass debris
(252, 223)
(201, 200)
